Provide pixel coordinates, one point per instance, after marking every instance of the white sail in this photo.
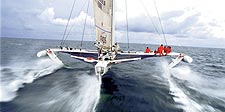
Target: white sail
(103, 10)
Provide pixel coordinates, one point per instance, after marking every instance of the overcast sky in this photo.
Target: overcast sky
(198, 23)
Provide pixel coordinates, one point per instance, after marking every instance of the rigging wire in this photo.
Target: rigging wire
(71, 12)
(91, 27)
(74, 24)
(81, 43)
(149, 15)
(92, 31)
(160, 22)
(128, 45)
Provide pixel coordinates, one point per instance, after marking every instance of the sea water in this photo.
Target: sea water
(31, 84)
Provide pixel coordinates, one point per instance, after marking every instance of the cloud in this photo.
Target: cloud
(172, 14)
(187, 23)
(152, 24)
(184, 21)
(48, 15)
(172, 26)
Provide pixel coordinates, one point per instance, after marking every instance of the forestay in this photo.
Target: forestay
(103, 21)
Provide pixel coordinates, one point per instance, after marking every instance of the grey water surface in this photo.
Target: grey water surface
(31, 84)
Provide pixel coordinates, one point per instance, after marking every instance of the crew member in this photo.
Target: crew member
(168, 50)
(165, 49)
(160, 50)
(117, 47)
(147, 50)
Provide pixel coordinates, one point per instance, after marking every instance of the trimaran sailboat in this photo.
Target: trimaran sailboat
(107, 53)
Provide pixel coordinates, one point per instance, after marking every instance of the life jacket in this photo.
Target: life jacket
(147, 50)
(160, 49)
(165, 49)
(168, 50)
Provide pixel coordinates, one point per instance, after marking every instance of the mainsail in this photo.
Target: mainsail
(103, 10)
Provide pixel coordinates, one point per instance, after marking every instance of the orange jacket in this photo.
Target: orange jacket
(165, 49)
(168, 50)
(147, 50)
(160, 49)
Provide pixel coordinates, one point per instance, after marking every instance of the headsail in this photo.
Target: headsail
(103, 10)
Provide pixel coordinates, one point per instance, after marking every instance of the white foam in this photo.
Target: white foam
(24, 72)
(210, 86)
(83, 97)
(89, 94)
(181, 96)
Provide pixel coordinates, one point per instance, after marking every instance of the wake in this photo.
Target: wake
(81, 97)
(15, 75)
(80, 94)
(182, 96)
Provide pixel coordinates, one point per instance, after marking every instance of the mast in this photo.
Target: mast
(113, 23)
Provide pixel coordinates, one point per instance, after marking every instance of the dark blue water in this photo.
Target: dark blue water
(31, 84)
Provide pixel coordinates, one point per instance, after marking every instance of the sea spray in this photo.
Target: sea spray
(88, 95)
(80, 95)
(201, 84)
(207, 85)
(180, 97)
(15, 75)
